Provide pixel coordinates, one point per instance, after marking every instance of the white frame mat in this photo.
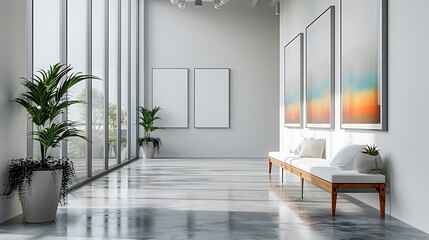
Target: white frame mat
(211, 91)
(170, 93)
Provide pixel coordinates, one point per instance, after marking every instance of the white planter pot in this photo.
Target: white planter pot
(124, 153)
(148, 151)
(365, 163)
(140, 152)
(112, 151)
(41, 197)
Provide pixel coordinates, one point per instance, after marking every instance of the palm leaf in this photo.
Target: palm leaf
(147, 119)
(51, 136)
(45, 99)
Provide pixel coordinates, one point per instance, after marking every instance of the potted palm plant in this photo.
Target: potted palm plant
(43, 183)
(148, 143)
(113, 127)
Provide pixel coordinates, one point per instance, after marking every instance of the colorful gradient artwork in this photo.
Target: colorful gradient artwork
(363, 92)
(320, 70)
(293, 109)
(319, 102)
(360, 97)
(293, 82)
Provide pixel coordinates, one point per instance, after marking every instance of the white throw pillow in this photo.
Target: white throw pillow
(344, 160)
(294, 148)
(312, 148)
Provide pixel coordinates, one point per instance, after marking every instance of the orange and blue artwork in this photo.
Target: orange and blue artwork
(319, 101)
(320, 71)
(363, 84)
(293, 82)
(361, 100)
(292, 109)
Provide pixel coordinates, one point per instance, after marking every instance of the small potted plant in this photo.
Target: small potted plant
(369, 160)
(43, 183)
(113, 127)
(148, 143)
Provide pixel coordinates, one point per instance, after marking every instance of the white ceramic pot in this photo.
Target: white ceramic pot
(365, 163)
(41, 197)
(112, 150)
(148, 150)
(124, 153)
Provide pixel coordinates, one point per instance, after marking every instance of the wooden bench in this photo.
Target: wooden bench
(333, 188)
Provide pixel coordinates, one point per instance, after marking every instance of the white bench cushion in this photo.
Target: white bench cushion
(275, 155)
(279, 155)
(321, 168)
(334, 175)
(302, 163)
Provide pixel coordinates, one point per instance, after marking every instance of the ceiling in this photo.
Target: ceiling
(253, 2)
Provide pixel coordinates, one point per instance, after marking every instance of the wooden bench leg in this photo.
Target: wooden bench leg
(334, 194)
(282, 174)
(382, 196)
(270, 166)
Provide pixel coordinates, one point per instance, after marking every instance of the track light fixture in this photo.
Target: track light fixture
(182, 4)
(198, 3)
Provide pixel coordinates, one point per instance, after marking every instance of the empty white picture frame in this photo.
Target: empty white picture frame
(170, 92)
(211, 91)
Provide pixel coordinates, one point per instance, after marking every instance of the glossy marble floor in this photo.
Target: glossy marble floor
(207, 199)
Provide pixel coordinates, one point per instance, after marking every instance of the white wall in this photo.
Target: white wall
(237, 36)
(12, 118)
(404, 145)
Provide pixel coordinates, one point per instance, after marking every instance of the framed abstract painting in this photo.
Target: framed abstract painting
(293, 82)
(364, 64)
(320, 70)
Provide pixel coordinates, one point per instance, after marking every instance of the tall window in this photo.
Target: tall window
(46, 44)
(133, 94)
(99, 55)
(114, 74)
(77, 58)
(98, 37)
(125, 60)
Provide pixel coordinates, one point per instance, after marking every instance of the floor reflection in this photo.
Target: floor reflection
(206, 199)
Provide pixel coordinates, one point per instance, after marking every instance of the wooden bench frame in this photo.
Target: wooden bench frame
(333, 188)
